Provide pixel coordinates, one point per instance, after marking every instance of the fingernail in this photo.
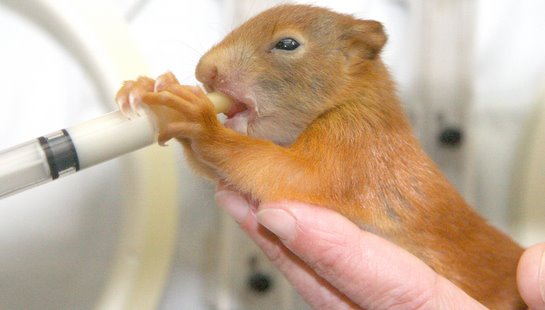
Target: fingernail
(279, 222)
(234, 204)
(134, 102)
(159, 85)
(541, 276)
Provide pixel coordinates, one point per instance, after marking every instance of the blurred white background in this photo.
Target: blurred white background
(473, 66)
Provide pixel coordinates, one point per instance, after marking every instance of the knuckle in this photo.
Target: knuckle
(337, 258)
(327, 262)
(165, 81)
(125, 87)
(275, 255)
(328, 302)
(168, 76)
(410, 300)
(165, 96)
(144, 79)
(425, 298)
(145, 83)
(173, 88)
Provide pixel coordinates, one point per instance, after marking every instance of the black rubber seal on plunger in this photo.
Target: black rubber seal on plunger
(60, 153)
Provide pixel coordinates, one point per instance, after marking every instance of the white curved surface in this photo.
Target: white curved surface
(109, 136)
(99, 39)
(529, 182)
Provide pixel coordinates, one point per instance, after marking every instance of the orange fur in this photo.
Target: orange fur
(332, 132)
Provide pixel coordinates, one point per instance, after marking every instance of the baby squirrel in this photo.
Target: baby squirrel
(316, 119)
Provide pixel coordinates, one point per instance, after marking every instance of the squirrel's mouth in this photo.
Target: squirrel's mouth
(243, 109)
(240, 100)
(236, 108)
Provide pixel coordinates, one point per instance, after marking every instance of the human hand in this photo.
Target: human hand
(333, 264)
(531, 276)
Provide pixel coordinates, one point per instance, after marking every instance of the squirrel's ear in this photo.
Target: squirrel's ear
(364, 39)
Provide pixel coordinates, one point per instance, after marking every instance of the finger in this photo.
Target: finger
(531, 276)
(197, 91)
(168, 99)
(164, 81)
(122, 98)
(355, 261)
(139, 88)
(312, 288)
(128, 97)
(186, 92)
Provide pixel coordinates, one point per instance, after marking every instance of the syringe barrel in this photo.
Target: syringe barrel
(78, 147)
(110, 136)
(23, 166)
(69, 150)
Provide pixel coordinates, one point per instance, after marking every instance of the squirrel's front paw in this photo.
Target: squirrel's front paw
(192, 114)
(129, 96)
(180, 111)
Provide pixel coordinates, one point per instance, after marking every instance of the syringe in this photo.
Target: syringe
(78, 147)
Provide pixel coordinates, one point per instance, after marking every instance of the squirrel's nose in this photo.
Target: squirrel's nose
(206, 72)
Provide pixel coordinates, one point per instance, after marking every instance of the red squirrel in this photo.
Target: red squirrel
(316, 119)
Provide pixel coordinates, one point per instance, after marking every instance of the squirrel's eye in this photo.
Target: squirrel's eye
(287, 44)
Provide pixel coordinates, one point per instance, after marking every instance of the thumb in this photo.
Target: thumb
(369, 270)
(531, 276)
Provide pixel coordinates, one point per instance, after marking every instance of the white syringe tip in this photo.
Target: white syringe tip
(220, 101)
